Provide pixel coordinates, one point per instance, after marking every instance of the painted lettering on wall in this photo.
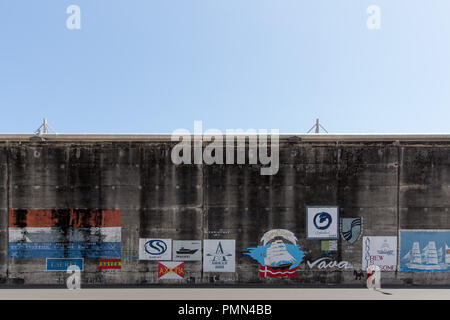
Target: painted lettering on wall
(170, 270)
(328, 263)
(380, 251)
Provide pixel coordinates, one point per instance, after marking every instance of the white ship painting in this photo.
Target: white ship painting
(278, 256)
(427, 258)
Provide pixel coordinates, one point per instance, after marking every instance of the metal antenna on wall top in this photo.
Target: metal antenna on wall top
(44, 128)
(317, 127)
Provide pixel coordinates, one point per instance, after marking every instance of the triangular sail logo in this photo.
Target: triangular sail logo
(220, 254)
(219, 249)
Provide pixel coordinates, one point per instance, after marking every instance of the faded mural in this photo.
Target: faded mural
(64, 233)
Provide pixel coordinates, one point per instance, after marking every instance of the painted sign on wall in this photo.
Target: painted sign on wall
(329, 247)
(425, 250)
(170, 270)
(351, 229)
(279, 254)
(187, 250)
(106, 264)
(61, 264)
(381, 252)
(219, 255)
(322, 222)
(64, 233)
(155, 249)
(328, 263)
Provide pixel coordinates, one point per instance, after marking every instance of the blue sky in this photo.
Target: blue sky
(144, 66)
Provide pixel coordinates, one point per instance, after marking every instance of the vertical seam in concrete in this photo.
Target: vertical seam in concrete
(204, 215)
(100, 181)
(339, 241)
(7, 211)
(398, 207)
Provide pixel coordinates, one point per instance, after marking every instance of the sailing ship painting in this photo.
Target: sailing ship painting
(425, 251)
(279, 255)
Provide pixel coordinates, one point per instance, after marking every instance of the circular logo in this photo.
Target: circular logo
(155, 247)
(322, 220)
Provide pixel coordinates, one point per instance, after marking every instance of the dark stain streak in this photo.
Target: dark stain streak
(20, 218)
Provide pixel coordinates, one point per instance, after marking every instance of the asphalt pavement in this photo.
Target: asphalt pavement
(225, 294)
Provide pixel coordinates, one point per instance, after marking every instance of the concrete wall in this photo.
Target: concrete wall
(390, 185)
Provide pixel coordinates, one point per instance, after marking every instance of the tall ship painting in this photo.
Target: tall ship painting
(425, 255)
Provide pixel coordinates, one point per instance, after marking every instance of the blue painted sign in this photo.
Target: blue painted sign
(59, 264)
(60, 250)
(425, 250)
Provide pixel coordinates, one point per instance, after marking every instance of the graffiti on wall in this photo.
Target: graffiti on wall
(322, 222)
(64, 233)
(425, 250)
(170, 270)
(381, 252)
(351, 229)
(279, 254)
(155, 249)
(219, 255)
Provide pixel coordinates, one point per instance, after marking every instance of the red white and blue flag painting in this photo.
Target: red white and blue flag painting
(64, 233)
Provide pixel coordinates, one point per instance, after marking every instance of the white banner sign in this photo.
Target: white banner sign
(381, 252)
(155, 249)
(187, 250)
(219, 255)
(322, 222)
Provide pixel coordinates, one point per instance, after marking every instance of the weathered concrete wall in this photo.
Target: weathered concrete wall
(391, 186)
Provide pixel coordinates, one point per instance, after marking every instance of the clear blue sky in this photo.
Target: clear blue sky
(145, 66)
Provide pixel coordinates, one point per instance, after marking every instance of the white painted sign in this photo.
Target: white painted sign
(333, 245)
(381, 252)
(322, 222)
(155, 249)
(219, 255)
(187, 250)
(328, 263)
